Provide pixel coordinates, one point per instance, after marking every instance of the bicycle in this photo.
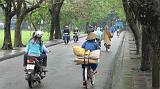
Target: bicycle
(88, 74)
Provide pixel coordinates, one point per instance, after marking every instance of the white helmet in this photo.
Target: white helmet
(66, 26)
(38, 34)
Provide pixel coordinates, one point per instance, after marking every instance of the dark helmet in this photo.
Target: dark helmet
(90, 26)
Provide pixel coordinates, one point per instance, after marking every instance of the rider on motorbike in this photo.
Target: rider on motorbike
(36, 48)
(66, 33)
(76, 33)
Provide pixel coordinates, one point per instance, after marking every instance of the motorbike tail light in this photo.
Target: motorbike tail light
(30, 61)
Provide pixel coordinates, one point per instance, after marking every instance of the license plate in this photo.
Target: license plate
(30, 66)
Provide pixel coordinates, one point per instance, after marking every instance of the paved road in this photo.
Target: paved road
(63, 73)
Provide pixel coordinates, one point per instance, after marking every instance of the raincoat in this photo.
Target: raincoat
(98, 32)
(106, 36)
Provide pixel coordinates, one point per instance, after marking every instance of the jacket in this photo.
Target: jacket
(35, 49)
(90, 45)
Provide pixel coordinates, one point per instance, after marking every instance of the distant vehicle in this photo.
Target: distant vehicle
(66, 38)
(75, 37)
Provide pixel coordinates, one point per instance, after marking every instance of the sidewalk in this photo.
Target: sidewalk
(127, 74)
(6, 54)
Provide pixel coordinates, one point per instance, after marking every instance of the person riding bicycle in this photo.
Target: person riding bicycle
(36, 48)
(76, 33)
(66, 33)
(90, 45)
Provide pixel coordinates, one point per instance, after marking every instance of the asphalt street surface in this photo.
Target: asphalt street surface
(63, 73)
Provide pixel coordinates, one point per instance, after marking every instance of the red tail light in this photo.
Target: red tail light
(30, 61)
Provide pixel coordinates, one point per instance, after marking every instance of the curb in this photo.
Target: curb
(111, 73)
(11, 56)
(117, 56)
(21, 53)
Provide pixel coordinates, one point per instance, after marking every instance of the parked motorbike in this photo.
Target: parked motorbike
(34, 71)
(66, 38)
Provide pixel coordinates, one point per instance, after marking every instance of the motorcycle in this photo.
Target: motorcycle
(34, 71)
(75, 37)
(66, 38)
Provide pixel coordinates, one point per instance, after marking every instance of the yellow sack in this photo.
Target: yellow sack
(78, 51)
(81, 61)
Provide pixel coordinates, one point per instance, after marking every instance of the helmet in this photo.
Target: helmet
(38, 34)
(66, 26)
(90, 26)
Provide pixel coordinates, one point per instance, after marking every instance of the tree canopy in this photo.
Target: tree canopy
(93, 11)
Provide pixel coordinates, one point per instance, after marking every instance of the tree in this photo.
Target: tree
(55, 18)
(7, 6)
(80, 12)
(22, 8)
(40, 18)
(147, 15)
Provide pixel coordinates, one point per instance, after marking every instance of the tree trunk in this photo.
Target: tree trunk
(87, 27)
(51, 29)
(154, 38)
(132, 24)
(18, 38)
(7, 44)
(56, 7)
(146, 50)
(52, 23)
(21, 12)
(57, 25)
(134, 29)
(155, 71)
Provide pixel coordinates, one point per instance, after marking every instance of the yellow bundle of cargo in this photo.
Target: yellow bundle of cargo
(81, 61)
(81, 53)
(78, 51)
(95, 55)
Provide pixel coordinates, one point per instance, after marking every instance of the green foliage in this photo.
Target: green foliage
(93, 11)
(79, 12)
(41, 14)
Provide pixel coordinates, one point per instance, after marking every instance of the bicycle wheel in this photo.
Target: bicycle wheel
(85, 74)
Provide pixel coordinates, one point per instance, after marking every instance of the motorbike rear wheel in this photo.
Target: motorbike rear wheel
(30, 81)
(75, 39)
(66, 41)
